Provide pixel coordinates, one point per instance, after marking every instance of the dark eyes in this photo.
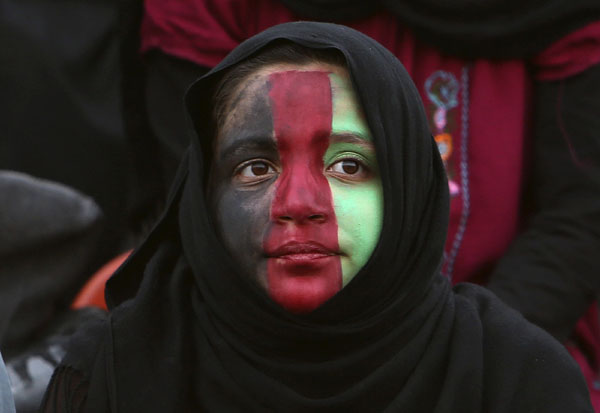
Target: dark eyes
(346, 166)
(256, 171)
(256, 168)
(349, 169)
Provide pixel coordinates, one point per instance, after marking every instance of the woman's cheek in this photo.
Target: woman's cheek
(243, 220)
(359, 212)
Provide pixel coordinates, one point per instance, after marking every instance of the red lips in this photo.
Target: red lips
(303, 275)
(301, 252)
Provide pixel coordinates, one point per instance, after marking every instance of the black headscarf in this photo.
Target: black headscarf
(192, 335)
(498, 29)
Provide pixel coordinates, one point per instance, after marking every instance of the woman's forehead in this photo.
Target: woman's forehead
(305, 67)
(250, 107)
(255, 88)
(258, 80)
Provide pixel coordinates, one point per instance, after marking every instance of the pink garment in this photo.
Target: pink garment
(570, 55)
(479, 114)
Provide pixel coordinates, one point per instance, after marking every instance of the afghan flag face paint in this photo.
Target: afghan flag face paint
(313, 197)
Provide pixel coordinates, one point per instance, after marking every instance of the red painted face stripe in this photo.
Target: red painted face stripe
(304, 270)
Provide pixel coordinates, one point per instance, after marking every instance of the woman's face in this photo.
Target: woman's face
(294, 185)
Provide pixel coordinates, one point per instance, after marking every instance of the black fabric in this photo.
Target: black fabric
(167, 80)
(558, 250)
(339, 10)
(152, 89)
(68, 391)
(188, 332)
(60, 112)
(147, 194)
(30, 371)
(497, 29)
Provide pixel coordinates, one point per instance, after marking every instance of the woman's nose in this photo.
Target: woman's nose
(302, 197)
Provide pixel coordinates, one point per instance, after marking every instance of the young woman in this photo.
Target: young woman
(511, 95)
(297, 266)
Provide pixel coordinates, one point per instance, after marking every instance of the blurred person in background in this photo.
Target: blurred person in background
(61, 105)
(66, 175)
(49, 237)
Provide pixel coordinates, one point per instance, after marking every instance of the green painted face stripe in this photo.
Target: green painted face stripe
(346, 117)
(359, 223)
(358, 205)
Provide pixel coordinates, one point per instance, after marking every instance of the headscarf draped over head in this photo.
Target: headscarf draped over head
(187, 331)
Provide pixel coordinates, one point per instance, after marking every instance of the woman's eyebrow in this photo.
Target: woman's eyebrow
(356, 139)
(246, 144)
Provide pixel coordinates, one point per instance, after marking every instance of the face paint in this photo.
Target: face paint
(294, 186)
(240, 206)
(358, 200)
(304, 268)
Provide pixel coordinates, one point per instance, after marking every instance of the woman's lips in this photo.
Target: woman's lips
(302, 275)
(301, 252)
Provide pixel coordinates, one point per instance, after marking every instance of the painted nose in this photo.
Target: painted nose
(302, 198)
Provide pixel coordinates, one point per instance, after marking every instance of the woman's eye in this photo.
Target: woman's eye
(349, 169)
(347, 166)
(256, 169)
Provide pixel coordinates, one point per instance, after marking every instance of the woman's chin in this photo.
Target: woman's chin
(304, 293)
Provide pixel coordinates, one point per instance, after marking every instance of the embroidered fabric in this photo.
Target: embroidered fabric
(450, 257)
